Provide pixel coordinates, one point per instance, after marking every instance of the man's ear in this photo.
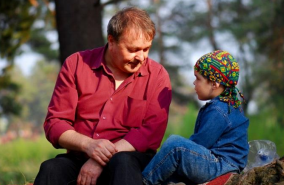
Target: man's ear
(110, 39)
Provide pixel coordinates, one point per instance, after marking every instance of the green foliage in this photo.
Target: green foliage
(264, 126)
(40, 44)
(20, 160)
(17, 18)
(188, 122)
(9, 92)
(36, 92)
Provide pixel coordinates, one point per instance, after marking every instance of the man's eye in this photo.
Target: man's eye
(146, 49)
(132, 50)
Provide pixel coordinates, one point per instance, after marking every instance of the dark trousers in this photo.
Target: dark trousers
(124, 168)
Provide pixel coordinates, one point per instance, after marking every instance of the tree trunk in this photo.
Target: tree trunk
(210, 27)
(79, 26)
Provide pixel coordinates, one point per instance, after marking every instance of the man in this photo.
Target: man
(109, 108)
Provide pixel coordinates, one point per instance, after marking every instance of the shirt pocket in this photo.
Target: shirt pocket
(133, 112)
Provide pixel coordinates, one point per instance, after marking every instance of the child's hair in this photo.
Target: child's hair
(221, 67)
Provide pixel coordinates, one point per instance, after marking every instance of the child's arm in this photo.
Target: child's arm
(211, 124)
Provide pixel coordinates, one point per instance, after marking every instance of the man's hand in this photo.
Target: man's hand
(101, 150)
(89, 173)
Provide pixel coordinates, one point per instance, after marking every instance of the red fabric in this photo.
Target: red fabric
(85, 100)
(220, 180)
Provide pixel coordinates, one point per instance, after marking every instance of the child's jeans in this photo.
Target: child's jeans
(183, 157)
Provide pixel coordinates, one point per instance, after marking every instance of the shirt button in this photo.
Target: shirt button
(104, 117)
(98, 135)
(110, 99)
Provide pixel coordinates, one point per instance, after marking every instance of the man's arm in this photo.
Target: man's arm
(123, 145)
(101, 150)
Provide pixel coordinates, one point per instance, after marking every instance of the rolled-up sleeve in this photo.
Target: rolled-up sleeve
(62, 107)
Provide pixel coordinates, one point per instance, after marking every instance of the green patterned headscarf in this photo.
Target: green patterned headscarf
(221, 67)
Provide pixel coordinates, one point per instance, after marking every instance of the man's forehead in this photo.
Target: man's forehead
(136, 34)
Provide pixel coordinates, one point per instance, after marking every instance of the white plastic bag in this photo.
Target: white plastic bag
(261, 152)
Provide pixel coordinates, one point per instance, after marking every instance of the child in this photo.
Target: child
(219, 144)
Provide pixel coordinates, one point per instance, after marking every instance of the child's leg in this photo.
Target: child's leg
(187, 159)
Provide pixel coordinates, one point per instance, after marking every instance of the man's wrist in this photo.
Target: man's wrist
(85, 143)
(123, 145)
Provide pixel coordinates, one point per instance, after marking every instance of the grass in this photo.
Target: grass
(264, 127)
(20, 160)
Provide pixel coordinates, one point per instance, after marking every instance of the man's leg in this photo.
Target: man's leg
(125, 168)
(63, 169)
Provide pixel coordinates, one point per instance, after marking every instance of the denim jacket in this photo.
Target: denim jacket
(224, 133)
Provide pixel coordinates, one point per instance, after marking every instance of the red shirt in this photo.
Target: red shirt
(85, 100)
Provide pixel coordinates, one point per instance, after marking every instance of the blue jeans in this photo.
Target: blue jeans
(182, 157)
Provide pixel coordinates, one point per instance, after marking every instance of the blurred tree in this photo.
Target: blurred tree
(36, 93)
(182, 93)
(16, 19)
(19, 20)
(231, 25)
(43, 78)
(9, 92)
(258, 28)
(79, 25)
(270, 40)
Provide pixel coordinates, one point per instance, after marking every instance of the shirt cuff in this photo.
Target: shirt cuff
(137, 140)
(54, 131)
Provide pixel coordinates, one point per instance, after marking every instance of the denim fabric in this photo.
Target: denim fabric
(187, 159)
(223, 132)
(219, 145)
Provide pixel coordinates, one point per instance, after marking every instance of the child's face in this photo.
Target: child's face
(203, 87)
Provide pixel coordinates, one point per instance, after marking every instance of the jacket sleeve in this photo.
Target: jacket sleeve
(211, 125)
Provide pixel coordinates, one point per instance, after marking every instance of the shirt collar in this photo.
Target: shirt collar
(210, 102)
(99, 60)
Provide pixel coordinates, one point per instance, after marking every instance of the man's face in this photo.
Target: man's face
(130, 52)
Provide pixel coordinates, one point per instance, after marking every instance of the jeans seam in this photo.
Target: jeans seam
(172, 151)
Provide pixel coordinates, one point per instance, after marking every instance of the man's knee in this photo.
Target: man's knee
(58, 166)
(121, 158)
(48, 166)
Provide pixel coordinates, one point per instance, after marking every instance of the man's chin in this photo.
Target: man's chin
(131, 69)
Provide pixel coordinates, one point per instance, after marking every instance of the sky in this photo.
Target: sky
(24, 61)
(28, 58)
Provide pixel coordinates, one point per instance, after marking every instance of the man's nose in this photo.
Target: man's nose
(140, 55)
